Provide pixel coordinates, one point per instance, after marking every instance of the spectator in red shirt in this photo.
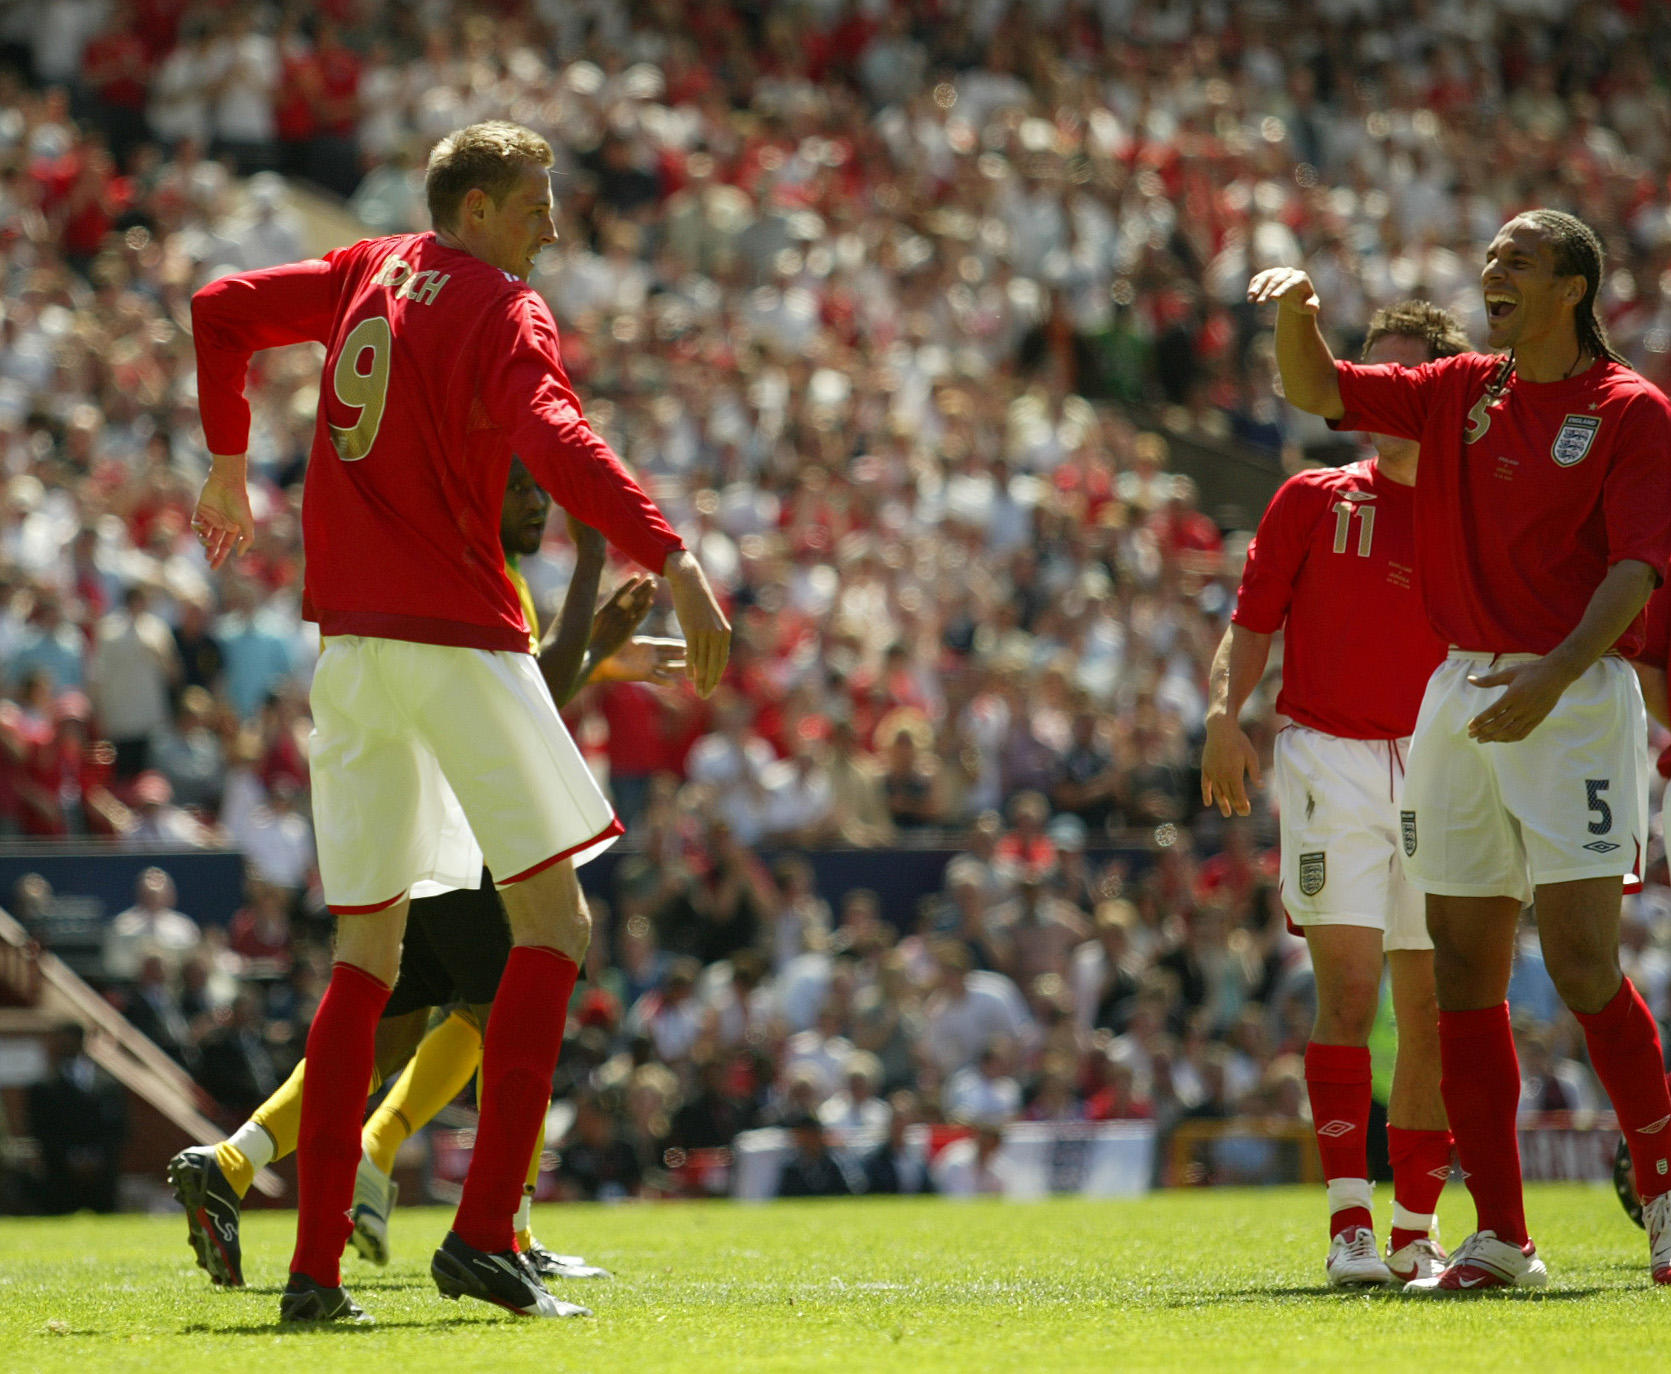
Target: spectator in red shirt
(116, 69)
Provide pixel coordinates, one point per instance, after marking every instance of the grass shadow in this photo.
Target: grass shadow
(1325, 1293)
(275, 1328)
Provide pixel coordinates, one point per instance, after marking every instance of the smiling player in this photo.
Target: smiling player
(1542, 525)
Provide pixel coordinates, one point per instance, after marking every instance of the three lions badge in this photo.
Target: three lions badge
(1313, 872)
(1577, 433)
(1407, 825)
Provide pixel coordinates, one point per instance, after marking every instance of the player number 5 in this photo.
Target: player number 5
(1343, 511)
(1599, 808)
(362, 390)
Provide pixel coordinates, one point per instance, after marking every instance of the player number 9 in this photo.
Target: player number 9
(363, 391)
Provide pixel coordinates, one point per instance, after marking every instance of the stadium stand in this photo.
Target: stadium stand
(924, 321)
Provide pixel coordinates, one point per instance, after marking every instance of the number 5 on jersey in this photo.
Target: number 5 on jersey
(362, 389)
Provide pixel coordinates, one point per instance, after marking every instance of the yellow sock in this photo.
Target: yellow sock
(234, 1163)
(445, 1059)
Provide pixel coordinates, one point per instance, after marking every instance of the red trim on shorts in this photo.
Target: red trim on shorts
(366, 910)
(613, 829)
(1633, 879)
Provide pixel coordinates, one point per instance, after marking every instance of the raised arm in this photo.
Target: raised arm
(1302, 357)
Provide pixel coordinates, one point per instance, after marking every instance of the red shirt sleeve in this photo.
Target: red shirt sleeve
(238, 315)
(1384, 399)
(1633, 501)
(530, 396)
(1275, 557)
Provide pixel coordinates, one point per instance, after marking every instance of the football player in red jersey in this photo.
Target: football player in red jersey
(441, 362)
(1541, 528)
(1331, 567)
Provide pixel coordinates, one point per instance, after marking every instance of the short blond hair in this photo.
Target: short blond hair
(489, 156)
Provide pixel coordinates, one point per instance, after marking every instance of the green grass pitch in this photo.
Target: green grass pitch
(1224, 1279)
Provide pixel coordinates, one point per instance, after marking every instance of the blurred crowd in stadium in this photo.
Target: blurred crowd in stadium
(893, 304)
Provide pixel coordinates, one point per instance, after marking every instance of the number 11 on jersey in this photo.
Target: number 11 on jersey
(1343, 513)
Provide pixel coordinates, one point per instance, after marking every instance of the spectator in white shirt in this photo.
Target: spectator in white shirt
(150, 926)
(856, 1107)
(135, 663)
(278, 839)
(970, 1009)
(983, 1090)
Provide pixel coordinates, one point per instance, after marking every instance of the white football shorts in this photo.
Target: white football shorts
(420, 751)
(1569, 801)
(1339, 802)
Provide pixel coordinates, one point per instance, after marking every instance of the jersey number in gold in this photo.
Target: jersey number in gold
(364, 391)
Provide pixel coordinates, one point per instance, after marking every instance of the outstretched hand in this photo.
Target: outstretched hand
(660, 662)
(1531, 690)
(1288, 287)
(222, 518)
(626, 607)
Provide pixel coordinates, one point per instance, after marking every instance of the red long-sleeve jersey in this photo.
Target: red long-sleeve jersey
(438, 368)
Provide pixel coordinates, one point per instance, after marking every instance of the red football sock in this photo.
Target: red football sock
(1625, 1052)
(1480, 1080)
(1338, 1080)
(341, 1058)
(519, 1055)
(1421, 1162)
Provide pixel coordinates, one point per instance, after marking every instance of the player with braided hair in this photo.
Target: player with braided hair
(1541, 528)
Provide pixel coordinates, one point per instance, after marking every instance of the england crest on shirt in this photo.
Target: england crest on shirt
(1577, 433)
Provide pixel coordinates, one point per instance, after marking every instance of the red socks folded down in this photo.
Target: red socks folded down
(1421, 1162)
(341, 1054)
(1337, 1078)
(519, 1055)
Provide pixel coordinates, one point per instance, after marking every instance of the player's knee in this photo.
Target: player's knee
(1587, 981)
(1348, 1022)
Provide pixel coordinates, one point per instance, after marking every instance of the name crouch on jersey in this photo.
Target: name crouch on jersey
(422, 287)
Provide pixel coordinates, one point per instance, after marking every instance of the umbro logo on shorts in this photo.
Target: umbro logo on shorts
(1313, 873)
(1601, 846)
(1407, 827)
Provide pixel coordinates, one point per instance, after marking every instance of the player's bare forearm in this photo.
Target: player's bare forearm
(1228, 758)
(1238, 664)
(222, 518)
(563, 653)
(707, 631)
(1532, 688)
(1302, 356)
